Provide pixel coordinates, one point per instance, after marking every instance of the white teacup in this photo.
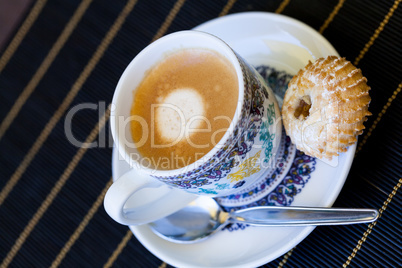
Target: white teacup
(246, 151)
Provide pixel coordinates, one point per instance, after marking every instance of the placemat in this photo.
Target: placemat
(67, 56)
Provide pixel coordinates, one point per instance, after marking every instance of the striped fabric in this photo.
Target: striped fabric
(68, 53)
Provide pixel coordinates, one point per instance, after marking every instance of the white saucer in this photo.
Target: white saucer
(285, 44)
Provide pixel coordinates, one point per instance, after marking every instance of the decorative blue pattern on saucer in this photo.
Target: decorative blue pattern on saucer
(293, 170)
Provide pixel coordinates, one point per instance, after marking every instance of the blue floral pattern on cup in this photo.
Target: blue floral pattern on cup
(252, 130)
(266, 136)
(294, 180)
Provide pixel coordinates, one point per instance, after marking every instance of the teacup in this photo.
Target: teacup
(246, 151)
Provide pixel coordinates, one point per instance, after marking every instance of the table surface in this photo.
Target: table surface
(64, 54)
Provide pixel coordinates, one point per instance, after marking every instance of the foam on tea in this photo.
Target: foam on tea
(179, 114)
(187, 101)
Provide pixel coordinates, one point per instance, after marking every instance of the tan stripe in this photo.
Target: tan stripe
(377, 120)
(33, 83)
(361, 55)
(371, 225)
(282, 6)
(163, 265)
(74, 237)
(67, 101)
(373, 185)
(22, 31)
(227, 7)
(364, 142)
(377, 32)
(331, 16)
(118, 250)
(169, 19)
(49, 199)
(285, 258)
(54, 192)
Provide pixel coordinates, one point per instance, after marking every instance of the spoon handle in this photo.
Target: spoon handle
(302, 216)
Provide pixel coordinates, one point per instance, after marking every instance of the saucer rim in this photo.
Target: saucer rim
(143, 232)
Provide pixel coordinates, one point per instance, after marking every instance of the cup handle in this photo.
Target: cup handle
(136, 199)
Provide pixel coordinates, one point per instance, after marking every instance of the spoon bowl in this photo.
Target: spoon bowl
(197, 221)
(204, 217)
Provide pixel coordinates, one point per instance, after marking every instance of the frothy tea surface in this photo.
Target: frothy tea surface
(183, 107)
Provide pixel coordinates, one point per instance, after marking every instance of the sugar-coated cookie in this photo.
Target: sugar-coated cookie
(325, 106)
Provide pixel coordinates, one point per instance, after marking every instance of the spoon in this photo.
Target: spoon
(204, 217)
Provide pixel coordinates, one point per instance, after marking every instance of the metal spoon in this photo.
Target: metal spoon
(204, 217)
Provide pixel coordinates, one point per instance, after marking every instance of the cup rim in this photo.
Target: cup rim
(229, 54)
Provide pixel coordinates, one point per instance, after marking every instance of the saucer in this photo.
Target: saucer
(286, 45)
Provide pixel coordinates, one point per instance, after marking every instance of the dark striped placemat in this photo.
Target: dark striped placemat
(67, 56)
